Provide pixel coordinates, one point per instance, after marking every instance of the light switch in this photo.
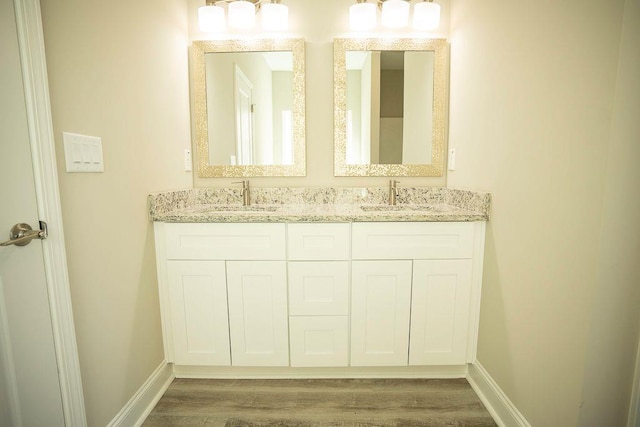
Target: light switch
(83, 153)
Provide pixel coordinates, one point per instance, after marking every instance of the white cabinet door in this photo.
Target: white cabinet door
(258, 313)
(200, 327)
(380, 304)
(319, 341)
(440, 312)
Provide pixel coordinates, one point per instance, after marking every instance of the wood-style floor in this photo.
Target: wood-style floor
(341, 402)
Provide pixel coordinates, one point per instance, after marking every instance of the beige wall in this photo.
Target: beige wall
(318, 22)
(532, 95)
(615, 308)
(540, 116)
(117, 70)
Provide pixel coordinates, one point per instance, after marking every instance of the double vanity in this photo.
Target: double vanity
(319, 281)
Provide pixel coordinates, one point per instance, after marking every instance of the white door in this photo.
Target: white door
(199, 317)
(244, 118)
(440, 312)
(380, 304)
(30, 389)
(258, 319)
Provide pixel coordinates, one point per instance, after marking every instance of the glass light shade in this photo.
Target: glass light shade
(242, 14)
(211, 18)
(426, 16)
(275, 17)
(395, 13)
(362, 16)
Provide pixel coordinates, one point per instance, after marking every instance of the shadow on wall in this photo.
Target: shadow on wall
(147, 316)
(493, 318)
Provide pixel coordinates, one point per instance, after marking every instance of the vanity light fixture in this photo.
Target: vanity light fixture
(395, 14)
(242, 15)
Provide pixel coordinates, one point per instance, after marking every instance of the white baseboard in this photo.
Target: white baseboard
(213, 372)
(498, 404)
(140, 405)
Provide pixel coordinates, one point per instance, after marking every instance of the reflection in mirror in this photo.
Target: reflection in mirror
(389, 122)
(249, 107)
(252, 90)
(390, 99)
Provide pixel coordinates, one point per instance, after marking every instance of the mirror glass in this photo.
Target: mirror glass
(249, 105)
(390, 99)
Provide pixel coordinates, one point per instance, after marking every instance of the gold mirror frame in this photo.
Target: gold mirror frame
(198, 80)
(440, 98)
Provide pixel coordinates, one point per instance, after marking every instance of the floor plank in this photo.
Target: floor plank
(333, 403)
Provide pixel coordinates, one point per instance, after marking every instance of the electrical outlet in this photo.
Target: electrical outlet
(451, 163)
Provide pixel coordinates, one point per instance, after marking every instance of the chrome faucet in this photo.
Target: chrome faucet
(393, 191)
(245, 193)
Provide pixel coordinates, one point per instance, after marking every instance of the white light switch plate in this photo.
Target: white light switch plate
(188, 161)
(83, 153)
(451, 162)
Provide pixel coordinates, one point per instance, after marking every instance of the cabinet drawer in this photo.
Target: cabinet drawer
(318, 241)
(225, 241)
(319, 340)
(412, 240)
(319, 288)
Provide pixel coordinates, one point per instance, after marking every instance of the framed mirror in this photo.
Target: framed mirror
(390, 106)
(249, 107)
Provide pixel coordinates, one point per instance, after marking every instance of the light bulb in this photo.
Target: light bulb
(211, 18)
(275, 17)
(362, 16)
(395, 13)
(242, 14)
(426, 16)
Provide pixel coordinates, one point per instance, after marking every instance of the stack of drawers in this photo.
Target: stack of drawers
(318, 270)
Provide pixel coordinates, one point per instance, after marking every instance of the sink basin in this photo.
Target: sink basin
(237, 208)
(398, 208)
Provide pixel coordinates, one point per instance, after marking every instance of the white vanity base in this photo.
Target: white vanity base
(320, 300)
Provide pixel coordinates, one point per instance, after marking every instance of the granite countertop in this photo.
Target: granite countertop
(319, 205)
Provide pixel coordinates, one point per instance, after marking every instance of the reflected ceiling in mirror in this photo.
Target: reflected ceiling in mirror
(390, 101)
(249, 107)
